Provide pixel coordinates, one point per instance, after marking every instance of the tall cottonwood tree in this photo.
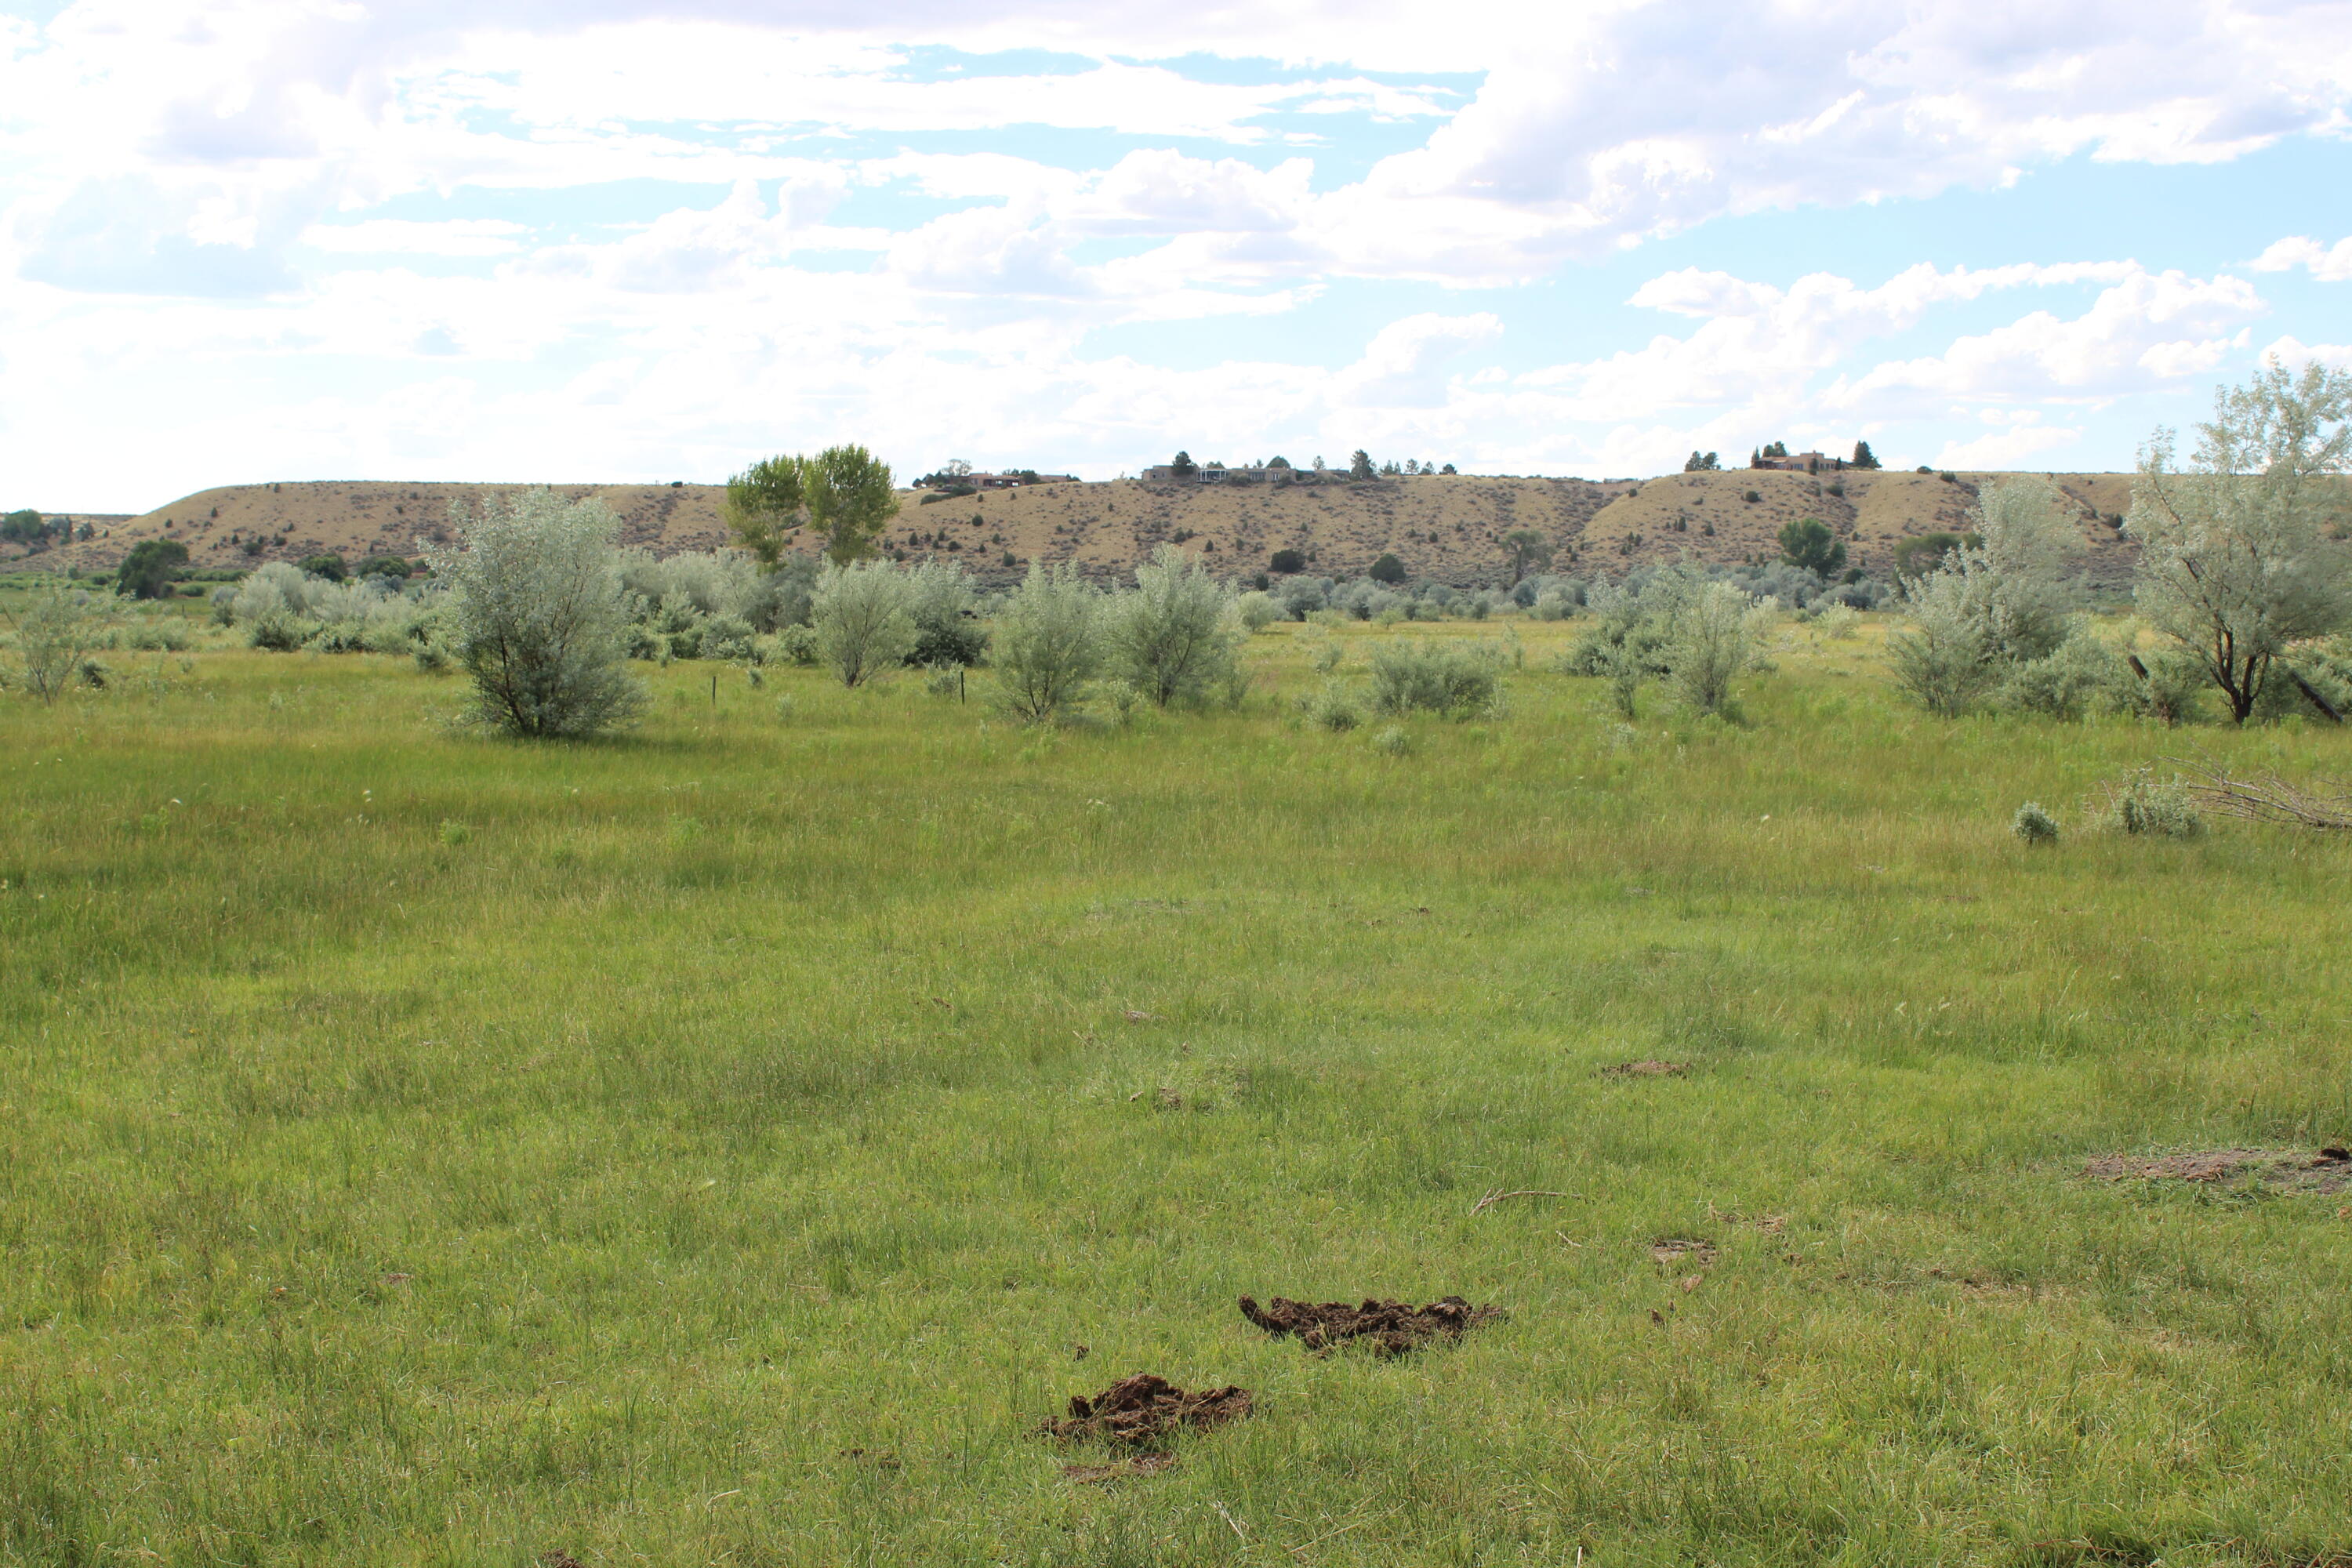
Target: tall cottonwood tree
(843, 494)
(851, 500)
(764, 503)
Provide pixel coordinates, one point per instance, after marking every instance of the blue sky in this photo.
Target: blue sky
(602, 239)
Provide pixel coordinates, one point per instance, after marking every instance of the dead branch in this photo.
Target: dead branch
(1498, 1195)
(2313, 695)
(2268, 799)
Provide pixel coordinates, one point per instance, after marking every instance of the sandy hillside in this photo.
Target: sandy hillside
(1443, 526)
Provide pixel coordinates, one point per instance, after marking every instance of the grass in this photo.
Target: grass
(714, 1146)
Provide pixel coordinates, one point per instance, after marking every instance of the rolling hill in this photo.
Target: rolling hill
(1449, 528)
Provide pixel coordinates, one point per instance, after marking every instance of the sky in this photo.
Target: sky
(613, 240)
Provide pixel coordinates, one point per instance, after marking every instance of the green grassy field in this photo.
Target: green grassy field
(716, 1146)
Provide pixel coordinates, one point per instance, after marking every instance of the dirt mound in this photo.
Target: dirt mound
(2329, 1170)
(1392, 1327)
(1119, 1469)
(1648, 1069)
(1146, 1409)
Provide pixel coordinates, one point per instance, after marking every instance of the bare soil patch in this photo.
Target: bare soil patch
(2328, 1171)
(1689, 1251)
(1119, 1469)
(1391, 1328)
(1649, 1067)
(1146, 1409)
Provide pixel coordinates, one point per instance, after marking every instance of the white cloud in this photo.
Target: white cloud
(200, 193)
(447, 236)
(2329, 264)
(2147, 325)
(2007, 448)
(1760, 344)
(2293, 353)
(1648, 120)
(1403, 365)
(1593, 126)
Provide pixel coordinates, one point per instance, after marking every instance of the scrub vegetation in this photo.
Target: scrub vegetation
(575, 1057)
(728, 1141)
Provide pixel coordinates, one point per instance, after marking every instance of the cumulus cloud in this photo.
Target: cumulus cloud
(1405, 362)
(2020, 438)
(1758, 342)
(2294, 351)
(1648, 120)
(2162, 325)
(1590, 128)
(874, 228)
(2329, 264)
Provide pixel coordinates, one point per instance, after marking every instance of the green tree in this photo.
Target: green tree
(1807, 542)
(1359, 467)
(1864, 458)
(1530, 549)
(1388, 568)
(2237, 553)
(764, 503)
(540, 614)
(843, 494)
(1702, 463)
(1182, 466)
(329, 566)
(151, 568)
(851, 500)
(25, 527)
